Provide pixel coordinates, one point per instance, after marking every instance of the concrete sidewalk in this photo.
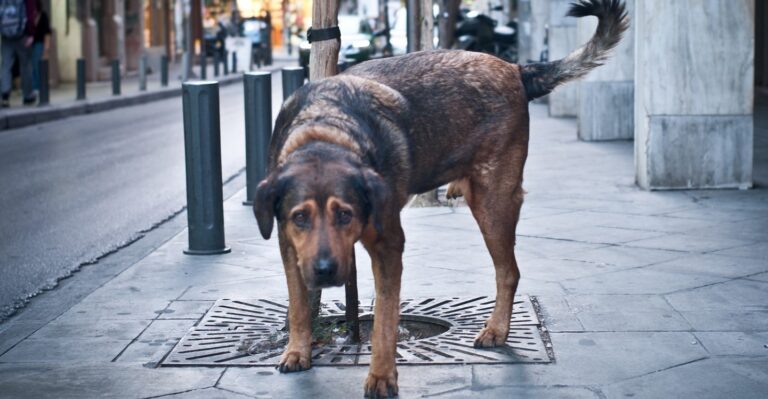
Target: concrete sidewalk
(99, 95)
(644, 295)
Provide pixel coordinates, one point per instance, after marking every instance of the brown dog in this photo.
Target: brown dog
(348, 151)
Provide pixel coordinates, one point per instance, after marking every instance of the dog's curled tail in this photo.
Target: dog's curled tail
(541, 78)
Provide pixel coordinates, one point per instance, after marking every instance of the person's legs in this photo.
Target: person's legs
(37, 55)
(6, 52)
(25, 65)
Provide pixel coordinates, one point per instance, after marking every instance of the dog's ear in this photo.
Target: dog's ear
(265, 204)
(377, 195)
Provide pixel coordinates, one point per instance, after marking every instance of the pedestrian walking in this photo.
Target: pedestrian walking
(17, 28)
(42, 30)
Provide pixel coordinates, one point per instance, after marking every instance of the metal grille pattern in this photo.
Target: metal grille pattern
(249, 333)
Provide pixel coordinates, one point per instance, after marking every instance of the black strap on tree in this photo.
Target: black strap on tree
(318, 35)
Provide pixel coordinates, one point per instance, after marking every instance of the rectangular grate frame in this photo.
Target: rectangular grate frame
(227, 331)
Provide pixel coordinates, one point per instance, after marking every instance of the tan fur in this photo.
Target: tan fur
(304, 135)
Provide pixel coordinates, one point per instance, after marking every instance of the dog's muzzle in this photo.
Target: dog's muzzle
(325, 272)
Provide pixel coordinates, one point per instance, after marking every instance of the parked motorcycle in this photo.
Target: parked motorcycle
(478, 32)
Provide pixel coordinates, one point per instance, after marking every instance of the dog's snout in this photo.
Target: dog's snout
(325, 270)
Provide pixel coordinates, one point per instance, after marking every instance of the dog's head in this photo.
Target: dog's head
(322, 206)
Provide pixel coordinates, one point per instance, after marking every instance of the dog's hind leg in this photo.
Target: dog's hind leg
(386, 250)
(495, 196)
(297, 354)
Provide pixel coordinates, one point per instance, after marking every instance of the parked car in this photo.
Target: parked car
(356, 41)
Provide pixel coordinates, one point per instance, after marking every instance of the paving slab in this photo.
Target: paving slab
(626, 313)
(100, 381)
(705, 379)
(757, 250)
(713, 265)
(342, 382)
(523, 392)
(735, 305)
(151, 345)
(598, 358)
(639, 281)
(212, 393)
(735, 343)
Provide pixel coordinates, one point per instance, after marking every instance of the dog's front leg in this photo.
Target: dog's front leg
(386, 257)
(297, 354)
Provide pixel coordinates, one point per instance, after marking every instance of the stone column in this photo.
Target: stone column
(694, 75)
(534, 16)
(562, 41)
(606, 103)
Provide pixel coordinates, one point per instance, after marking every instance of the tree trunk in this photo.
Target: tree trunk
(420, 32)
(413, 21)
(323, 61)
(449, 11)
(324, 55)
(426, 26)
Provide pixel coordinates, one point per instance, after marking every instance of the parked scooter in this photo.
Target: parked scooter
(479, 32)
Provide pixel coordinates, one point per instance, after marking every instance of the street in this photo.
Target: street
(75, 189)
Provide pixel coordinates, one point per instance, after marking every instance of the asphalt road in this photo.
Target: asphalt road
(74, 189)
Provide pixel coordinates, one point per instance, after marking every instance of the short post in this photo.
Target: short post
(81, 79)
(45, 94)
(115, 77)
(185, 65)
(258, 127)
(202, 145)
(293, 78)
(234, 62)
(143, 73)
(216, 60)
(164, 71)
(225, 64)
(203, 66)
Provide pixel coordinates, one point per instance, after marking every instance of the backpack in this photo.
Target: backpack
(13, 18)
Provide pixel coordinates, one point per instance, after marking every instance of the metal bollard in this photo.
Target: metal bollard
(203, 66)
(234, 62)
(185, 66)
(115, 77)
(81, 79)
(45, 93)
(202, 145)
(225, 64)
(143, 73)
(293, 78)
(164, 71)
(216, 61)
(258, 127)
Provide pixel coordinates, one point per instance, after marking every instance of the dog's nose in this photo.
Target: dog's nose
(325, 270)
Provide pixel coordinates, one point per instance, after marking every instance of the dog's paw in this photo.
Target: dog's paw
(293, 361)
(454, 191)
(490, 338)
(377, 386)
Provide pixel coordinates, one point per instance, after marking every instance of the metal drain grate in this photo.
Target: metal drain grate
(225, 334)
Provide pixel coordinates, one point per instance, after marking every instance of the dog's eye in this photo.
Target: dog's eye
(344, 217)
(300, 218)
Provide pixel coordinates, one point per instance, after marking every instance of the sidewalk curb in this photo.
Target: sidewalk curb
(21, 117)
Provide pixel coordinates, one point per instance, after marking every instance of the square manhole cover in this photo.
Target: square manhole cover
(432, 331)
